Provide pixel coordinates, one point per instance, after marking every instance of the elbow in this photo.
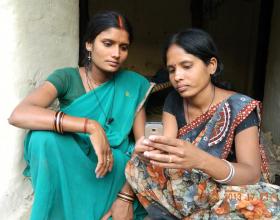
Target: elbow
(254, 180)
(255, 177)
(14, 118)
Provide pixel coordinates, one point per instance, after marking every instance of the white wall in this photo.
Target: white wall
(37, 36)
(271, 119)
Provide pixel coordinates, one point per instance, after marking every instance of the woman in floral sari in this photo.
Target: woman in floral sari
(209, 163)
(76, 156)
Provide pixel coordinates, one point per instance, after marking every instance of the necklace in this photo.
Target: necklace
(108, 117)
(187, 106)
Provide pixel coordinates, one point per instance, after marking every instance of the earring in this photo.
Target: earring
(89, 56)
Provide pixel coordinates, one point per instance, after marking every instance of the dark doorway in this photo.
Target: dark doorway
(262, 49)
(240, 28)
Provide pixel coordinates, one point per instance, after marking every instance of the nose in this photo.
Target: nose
(178, 75)
(116, 52)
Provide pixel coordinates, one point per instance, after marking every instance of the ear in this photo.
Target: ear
(89, 46)
(212, 65)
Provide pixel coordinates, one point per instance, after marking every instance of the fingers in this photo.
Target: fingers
(104, 169)
(165, 140)
(109, 163)
(166, 165)
(100, 165)
(105, 163)
(171, 145)
(165, 158)
(157, 152)
(103, 153)
(171, 149)
(102, 150)
(107, 215)
(141, 145)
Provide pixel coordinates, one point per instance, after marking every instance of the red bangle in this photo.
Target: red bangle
(85, 125)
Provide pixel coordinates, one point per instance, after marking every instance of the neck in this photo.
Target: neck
(203, 100)
(99, 76)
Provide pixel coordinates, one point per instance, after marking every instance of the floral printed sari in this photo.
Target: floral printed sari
(180, 194)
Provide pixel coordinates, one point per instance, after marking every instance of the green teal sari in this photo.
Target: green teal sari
(61, 166)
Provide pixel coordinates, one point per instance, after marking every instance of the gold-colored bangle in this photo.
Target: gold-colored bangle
(125, 197)
(125, 200)
(127, 194)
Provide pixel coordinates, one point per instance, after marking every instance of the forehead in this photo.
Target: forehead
(176, 54)
(115, 34)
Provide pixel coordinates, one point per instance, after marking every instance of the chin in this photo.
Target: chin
(186, 94)
(111, 69)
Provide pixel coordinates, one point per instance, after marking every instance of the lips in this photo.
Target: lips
(113, 63)
(182, 88)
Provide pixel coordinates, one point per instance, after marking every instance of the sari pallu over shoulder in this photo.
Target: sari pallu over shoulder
(62, 167)
(121, 97)
(214, 131)
(195, 195)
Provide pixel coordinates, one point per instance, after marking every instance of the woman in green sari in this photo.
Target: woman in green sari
(76, 156)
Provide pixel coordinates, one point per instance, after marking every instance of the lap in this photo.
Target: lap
(195, 195)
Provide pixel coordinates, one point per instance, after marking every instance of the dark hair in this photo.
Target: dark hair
(102, 21)
(198, 43)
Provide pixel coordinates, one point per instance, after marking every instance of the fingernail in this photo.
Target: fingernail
(152, 137)
(146, 154)
(146, 141)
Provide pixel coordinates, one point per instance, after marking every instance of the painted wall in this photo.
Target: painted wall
(37, 36)
(271, 121)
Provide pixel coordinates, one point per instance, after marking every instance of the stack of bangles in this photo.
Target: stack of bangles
(58, 122)
(230, 175)
(126, 197)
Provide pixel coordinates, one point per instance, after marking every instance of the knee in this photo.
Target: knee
(43, 142)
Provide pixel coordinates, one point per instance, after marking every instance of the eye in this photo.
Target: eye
(187, 67)
(171, 70)
(107, 43)
(124, 47)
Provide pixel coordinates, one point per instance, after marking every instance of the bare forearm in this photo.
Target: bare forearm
(219, 169)
(32, 117)
(38, 118)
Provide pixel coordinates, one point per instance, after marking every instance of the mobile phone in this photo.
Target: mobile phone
(153, 128)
